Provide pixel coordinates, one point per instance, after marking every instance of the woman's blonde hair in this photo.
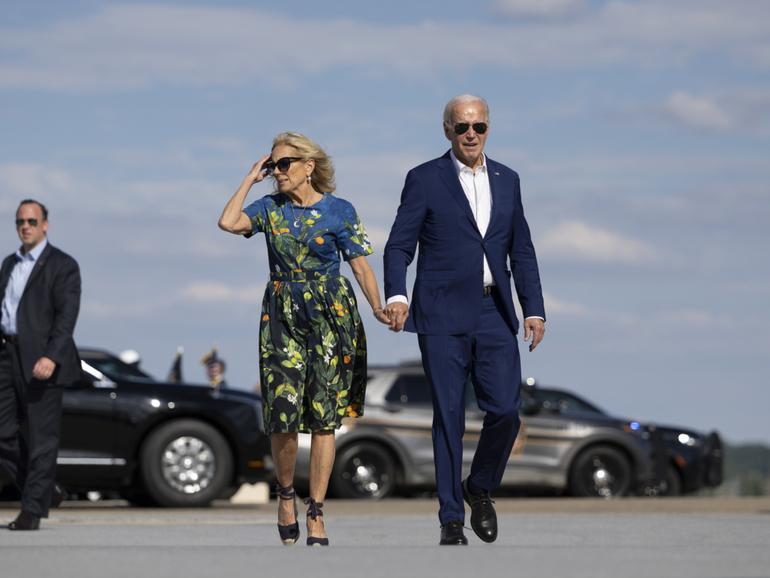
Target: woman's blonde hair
(322, 177)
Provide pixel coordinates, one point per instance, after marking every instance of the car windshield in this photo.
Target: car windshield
(115, 369)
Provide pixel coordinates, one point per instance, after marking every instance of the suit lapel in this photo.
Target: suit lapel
(39, 264)
(5, 274)
(449, 176)
(494, 183)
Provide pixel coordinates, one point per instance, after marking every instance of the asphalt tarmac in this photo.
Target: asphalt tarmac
(552, 537)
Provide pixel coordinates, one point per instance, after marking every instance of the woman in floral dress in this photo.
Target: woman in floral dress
(312, 345)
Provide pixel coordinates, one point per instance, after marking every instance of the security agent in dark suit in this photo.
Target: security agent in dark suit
(40, 290)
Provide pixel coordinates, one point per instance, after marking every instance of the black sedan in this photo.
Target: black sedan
(157, 443)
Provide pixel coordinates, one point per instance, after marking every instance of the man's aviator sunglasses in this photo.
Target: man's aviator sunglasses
(32, 222)
(463, 127)
(281, 164)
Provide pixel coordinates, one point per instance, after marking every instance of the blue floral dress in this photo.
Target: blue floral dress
(311, 339)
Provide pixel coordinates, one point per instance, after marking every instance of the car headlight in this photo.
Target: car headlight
(688, 440)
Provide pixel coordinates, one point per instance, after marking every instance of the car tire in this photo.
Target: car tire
(600, 471)
(364, 471)
(185, 463)
(229, 492)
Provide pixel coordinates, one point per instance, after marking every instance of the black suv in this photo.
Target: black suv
(157, 443)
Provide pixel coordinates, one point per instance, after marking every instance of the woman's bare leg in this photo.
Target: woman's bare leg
(284, 450)
(322, 453)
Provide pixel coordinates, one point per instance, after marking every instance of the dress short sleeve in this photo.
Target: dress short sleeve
(351, 238)
(256, 214)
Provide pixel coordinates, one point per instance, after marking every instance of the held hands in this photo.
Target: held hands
(396, 314)
(387, 317)
(534, 329)
(43, 369)
(257, 173)
(381, 316)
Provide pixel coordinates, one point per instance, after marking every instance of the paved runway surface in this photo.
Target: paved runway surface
(700, 538)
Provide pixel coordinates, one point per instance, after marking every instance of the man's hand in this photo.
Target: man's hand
(43, 369)
(534, 328)
(397, 313)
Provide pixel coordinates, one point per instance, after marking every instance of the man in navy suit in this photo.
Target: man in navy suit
(465, 211)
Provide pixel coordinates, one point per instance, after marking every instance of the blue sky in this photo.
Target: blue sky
(640, 131)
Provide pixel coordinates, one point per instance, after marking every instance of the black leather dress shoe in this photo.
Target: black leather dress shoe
(483, 515)
(452, 534)
(25, 521)
(57, 496)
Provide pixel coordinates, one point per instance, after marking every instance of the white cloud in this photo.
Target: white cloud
(134, 46)
(697, 112)
(33, 180)
(577, 240)
(211, 291)
(563, 307)
(540, 8)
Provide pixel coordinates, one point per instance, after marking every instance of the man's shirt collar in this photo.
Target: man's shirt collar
(34, 254)
(462, 167)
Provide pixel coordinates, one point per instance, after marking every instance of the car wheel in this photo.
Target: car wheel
(229, 492)
(186, 463)
(364, 471)
(600, 471)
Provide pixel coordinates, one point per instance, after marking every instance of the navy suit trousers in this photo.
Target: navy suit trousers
(489, 356)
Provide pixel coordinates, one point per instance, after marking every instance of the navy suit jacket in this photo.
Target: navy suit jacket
(448, 290)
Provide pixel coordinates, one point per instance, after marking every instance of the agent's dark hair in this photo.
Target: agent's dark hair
(34, 202)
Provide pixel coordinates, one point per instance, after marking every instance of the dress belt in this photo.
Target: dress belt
(9, 339)
(302, 276)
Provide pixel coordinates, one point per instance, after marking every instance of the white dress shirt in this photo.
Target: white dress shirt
(25, 262)
(475, 183)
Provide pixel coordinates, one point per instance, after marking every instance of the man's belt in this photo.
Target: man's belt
(488, 290)
(9, 339)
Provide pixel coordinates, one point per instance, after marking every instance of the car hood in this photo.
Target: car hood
(189, 390)
(672, 429)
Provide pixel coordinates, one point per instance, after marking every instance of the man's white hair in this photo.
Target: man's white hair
(462, 99)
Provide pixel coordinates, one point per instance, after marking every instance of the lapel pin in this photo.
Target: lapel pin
(497, 174)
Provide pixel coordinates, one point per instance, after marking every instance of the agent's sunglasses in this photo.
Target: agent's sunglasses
(281, 164)
(31, 222)
(463, 127)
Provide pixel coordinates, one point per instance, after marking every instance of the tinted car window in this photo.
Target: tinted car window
(563, 402)
(410, 389)
(114, 368)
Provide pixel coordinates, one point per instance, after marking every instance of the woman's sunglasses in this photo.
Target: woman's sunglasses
(281, 164)
(32, 222)
(478, 127)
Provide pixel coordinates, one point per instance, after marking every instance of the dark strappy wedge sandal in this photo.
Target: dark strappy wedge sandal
(314, 511)
(289, 533)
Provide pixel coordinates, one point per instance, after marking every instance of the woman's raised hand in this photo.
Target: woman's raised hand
(381, 316)
(256, 174)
